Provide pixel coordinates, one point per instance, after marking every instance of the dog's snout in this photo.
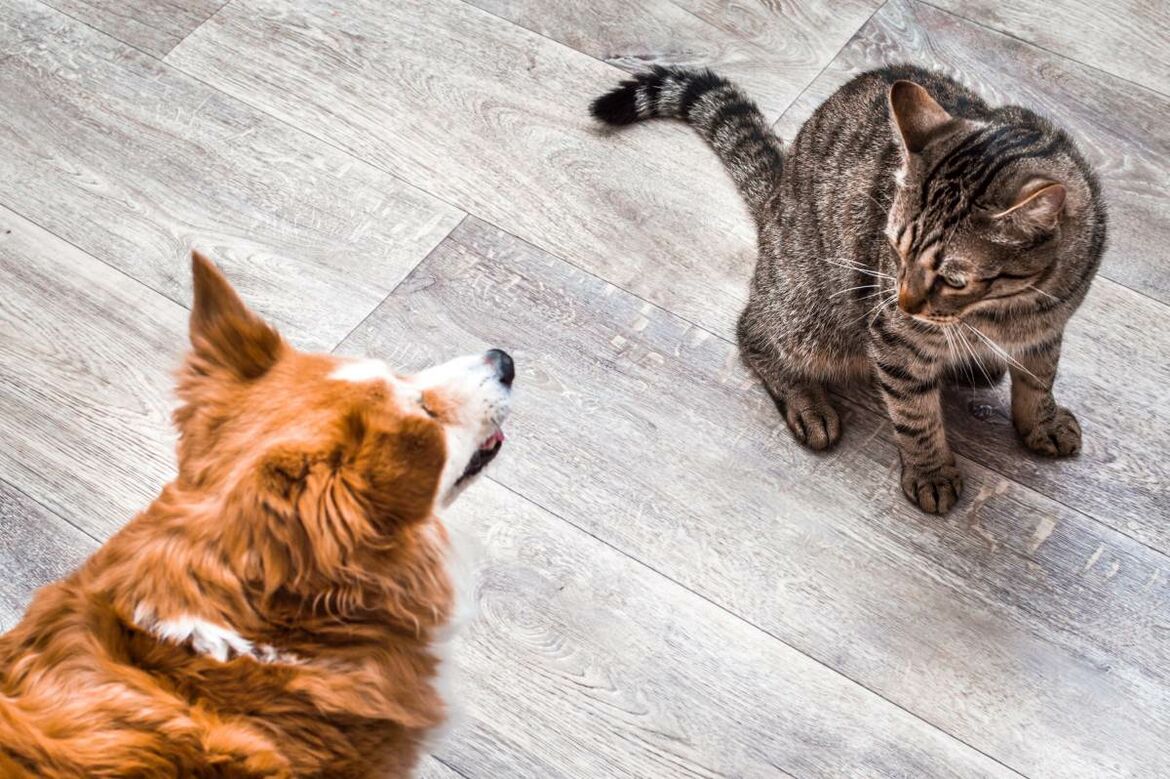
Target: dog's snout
(502, 362)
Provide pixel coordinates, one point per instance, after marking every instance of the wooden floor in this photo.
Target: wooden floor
(671, 586)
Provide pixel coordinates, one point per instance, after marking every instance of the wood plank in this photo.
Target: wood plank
(773, 50)
(583, 662)
(86, 357)
(39, 547)
(1026, 628)
(1121, 128)
(493, 118)
(154, 26)
(135, 163)
(1128, 39)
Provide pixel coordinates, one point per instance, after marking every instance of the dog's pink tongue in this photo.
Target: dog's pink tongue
(496, 438)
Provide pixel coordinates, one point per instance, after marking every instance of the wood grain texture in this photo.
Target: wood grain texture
(494, 119)
(1121, 128)
(584, 663)
(135, 163)
(430, 768)
(1015, 615)
(772, 49)
(154, 26)
(86, 357)
(39, 547)
(1128, 39)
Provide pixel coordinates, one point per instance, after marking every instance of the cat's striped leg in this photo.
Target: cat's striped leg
(1044, 426)
(929, 476)
(804, 402)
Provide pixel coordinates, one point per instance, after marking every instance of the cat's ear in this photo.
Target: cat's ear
(1038, 207)
(917, 117)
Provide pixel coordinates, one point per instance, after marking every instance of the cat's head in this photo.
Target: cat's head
(977, 215)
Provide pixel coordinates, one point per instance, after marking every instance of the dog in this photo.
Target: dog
(279, 609)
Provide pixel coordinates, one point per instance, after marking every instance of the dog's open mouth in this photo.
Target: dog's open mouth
(485, 454)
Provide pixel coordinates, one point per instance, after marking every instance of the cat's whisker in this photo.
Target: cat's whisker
(852, 289)
(975, 357)
(849, 265)
(1002, 352)
(872, 295)
(882, 304)
(1034, 288)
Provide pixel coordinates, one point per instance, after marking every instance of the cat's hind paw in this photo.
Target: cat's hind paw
(813, 421)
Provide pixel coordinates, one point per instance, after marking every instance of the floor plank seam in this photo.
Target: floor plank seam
(740, 618)
(97, 30)
(95, 258)
(50, 510)
(821, 72)
(195, 29)
(448, 766)
(1044, 49)
(399, 283)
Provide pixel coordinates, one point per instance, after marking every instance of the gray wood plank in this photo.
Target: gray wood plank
(135, 163)
(1026, 628)
(154, 26)
(773, 50)
(38, 547)
(584, 663)
(86, 357)
(1121, 128)
(493, 118)
(1128, 38)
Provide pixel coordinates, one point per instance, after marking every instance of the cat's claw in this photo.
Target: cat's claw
(933, 490)
(1057, 436)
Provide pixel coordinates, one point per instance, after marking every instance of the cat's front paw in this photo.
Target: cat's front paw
(1057, 436)
(934, 490)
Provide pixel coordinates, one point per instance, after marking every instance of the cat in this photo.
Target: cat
(910, 232)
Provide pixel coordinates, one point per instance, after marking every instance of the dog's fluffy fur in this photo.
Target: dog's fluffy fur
(273, 612)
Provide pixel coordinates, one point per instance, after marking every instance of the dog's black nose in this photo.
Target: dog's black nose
(502, 362)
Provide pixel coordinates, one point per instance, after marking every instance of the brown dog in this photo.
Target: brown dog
(277, 611)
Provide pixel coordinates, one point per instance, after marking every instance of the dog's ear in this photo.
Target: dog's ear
(225, 333)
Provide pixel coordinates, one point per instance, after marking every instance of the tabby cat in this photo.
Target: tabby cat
(909, 233)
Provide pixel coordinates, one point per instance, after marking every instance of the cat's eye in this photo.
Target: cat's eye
(422, 403)
(954, 280)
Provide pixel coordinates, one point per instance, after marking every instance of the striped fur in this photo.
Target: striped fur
(910, 235)
(726, 118)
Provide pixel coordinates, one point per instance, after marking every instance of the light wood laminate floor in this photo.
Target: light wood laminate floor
(670, 586)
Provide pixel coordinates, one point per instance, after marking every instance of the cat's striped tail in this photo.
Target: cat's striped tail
(729, 121)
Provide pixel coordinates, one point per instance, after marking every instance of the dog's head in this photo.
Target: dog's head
(335, 452)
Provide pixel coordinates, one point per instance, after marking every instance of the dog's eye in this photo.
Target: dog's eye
(422, 402)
